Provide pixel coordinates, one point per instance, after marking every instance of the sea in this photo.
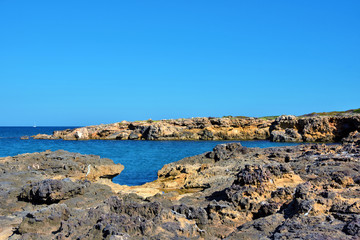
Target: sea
(142, 159)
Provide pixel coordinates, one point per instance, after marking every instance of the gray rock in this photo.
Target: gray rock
(353, 227)
(44, 221)
(225, 151)
(354, 137)
(51, 191)
(287, 135)
(134, 136)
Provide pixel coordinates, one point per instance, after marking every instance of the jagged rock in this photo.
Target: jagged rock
(127, 218)
(63, 163)
(353, 227)
(159, 131)
(254, 184)
(305, 227)
(225, 151)
(35, 171)
(287, 135)
(313, 129)
(45, 220)
(258, 229)
(282, 129)
(354, 137)
(300, 192)
(52, 191)
(284, 122)
(175, 129)
(199, 214)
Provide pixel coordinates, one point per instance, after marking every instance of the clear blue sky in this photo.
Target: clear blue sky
(91, 62)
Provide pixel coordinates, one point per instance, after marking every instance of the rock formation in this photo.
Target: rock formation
(282, 129)
(301, 192)
(28, 182)
(313, 129)
(178, 129)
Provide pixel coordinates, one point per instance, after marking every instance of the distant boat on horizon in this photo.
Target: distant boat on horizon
(34, 125)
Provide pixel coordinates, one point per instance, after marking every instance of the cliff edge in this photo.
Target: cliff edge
(285, 128)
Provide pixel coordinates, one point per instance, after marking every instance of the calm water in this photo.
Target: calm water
(142, 159)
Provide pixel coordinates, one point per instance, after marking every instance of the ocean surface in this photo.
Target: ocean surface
(142, 159)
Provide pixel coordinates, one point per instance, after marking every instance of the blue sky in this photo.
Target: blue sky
(91, 62)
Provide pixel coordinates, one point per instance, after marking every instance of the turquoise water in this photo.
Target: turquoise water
(142, 159)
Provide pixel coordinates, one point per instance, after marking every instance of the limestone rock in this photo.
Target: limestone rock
(286, 128)
(43, 136)
(287, 135)
(225, 151)
(175, 129)
(159, 131)
(354, 137)
(51, 191)
(44, 221)
(300, 192)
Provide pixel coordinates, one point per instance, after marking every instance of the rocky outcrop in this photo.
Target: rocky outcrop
(282, 129)
(354, 137)
(52, 191)
(176, 129)
(313, 129)
(300, 192)
(115, 218)
(62, 164)
(251, 193)
(287, 135)
(30, 181)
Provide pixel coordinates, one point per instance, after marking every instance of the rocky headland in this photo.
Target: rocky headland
(307, 191)
(286, 128)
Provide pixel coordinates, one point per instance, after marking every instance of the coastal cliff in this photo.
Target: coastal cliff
(175, 129)
(233, 192)
(286, 128)
(313, 128)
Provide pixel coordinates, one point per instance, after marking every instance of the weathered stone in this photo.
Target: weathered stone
(353, 227)
(43, 136)
(287, 135)
(51, 191)
(45, 220)
(283, 129)
(134, 136)
(225, 151)
(354, 137)
(300, 192)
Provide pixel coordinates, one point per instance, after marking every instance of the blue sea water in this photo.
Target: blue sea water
(142, 159)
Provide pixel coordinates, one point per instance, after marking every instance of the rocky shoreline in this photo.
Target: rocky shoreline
(286, 128)
(307, 191)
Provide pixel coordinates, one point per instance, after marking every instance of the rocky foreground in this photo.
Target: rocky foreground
(301, 192)
(328, 128)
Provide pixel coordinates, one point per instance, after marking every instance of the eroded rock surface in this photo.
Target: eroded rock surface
(313, 129)
(28, 182)
(52, 191)
(285, 128)
(305, 191)
(301, 192)
(175, 129)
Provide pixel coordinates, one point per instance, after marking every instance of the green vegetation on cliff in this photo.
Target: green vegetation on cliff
(333, 113)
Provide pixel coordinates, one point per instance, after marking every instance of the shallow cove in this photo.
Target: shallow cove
(142, 159)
